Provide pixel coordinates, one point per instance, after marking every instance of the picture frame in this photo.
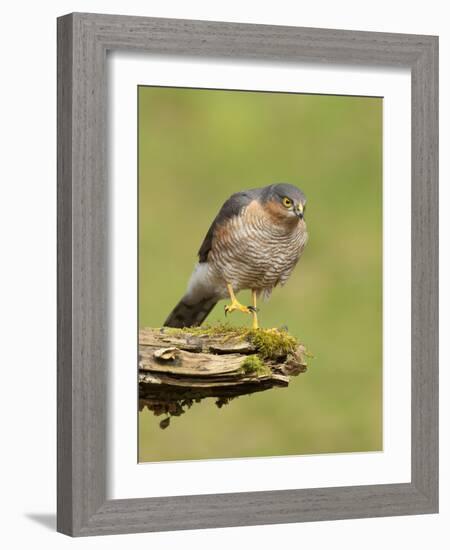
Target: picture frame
(83, 41)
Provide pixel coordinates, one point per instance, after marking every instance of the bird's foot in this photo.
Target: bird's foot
(237, 306)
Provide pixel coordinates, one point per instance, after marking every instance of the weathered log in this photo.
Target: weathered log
(178, 367)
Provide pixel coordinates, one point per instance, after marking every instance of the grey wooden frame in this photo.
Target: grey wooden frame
(83, 41)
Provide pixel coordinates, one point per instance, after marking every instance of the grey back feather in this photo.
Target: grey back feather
(230, 208)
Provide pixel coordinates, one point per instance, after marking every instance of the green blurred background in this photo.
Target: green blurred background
(196, 148)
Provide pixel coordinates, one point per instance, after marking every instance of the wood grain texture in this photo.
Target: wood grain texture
(83, 41)
(424, 275)
(64, 297)
(178, 368)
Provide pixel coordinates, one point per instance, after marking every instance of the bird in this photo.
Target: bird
(254, 243)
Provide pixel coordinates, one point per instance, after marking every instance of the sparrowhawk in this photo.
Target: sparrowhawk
(254, 243)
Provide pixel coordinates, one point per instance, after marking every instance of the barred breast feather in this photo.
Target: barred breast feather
(252, 251)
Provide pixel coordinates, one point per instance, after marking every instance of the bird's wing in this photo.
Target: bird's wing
(230, 208)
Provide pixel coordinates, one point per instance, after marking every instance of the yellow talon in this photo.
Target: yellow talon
(237, 306)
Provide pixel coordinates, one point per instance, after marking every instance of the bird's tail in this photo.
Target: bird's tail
(188, 314)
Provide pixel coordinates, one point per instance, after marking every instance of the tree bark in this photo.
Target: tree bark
(180, 367)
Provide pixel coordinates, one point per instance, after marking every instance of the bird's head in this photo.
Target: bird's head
(285, 202)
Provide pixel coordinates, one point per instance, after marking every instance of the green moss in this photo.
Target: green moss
(254, 365)
(270, 343)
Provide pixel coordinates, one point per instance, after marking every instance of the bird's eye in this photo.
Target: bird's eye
(287, 202)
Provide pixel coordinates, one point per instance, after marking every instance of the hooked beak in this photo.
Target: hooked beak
(299, 210)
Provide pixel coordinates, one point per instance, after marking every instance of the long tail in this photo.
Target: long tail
(190, 314)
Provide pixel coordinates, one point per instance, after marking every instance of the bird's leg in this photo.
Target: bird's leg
(255, 310)
(235, 305)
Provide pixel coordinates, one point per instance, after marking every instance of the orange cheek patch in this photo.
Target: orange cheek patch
(254, 208)
(254, 211)
(276, 211)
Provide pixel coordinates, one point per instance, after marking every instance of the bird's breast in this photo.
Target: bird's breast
(250, 251)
